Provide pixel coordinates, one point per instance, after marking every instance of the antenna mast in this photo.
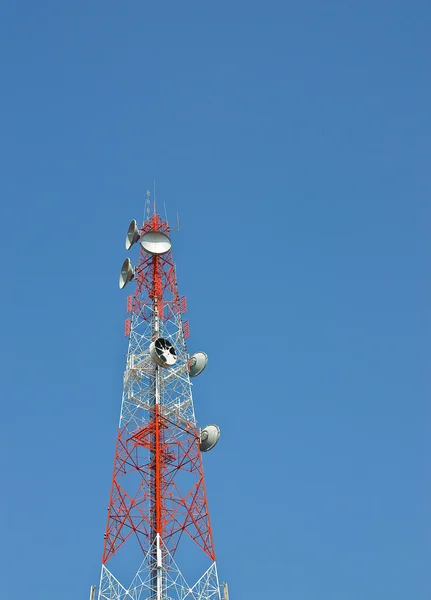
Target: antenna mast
(158, 514)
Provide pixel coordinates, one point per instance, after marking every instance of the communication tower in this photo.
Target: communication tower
(158, 543)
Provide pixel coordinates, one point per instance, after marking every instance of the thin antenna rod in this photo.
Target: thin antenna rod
(154, 193)
(147, 207)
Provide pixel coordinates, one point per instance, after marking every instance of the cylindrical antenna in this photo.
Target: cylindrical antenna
(225, 592)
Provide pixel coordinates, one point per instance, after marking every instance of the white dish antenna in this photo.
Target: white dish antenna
(197, 363)
(127, 273)
(163, 353)
(132, 234)
(209, 437)
(155, 242)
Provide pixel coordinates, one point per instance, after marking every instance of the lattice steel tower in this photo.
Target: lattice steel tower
(158, 518)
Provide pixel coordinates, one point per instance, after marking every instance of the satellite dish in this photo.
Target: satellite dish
(126, 274)
(155, 242)
(132, 235)
(197, 363)
(163, 353)
(209, 437)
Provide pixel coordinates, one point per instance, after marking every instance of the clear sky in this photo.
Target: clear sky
(294, 141)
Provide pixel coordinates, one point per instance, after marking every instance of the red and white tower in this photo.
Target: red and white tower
(158, 543)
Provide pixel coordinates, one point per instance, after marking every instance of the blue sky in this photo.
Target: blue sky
(293, 139)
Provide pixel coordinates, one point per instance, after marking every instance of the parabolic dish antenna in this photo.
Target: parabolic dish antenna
(163, 353)
(126, 273)
(132, 234)
(197, 363)
(155, 242)
(209, 437)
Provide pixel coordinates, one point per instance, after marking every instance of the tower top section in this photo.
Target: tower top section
(152, 235)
